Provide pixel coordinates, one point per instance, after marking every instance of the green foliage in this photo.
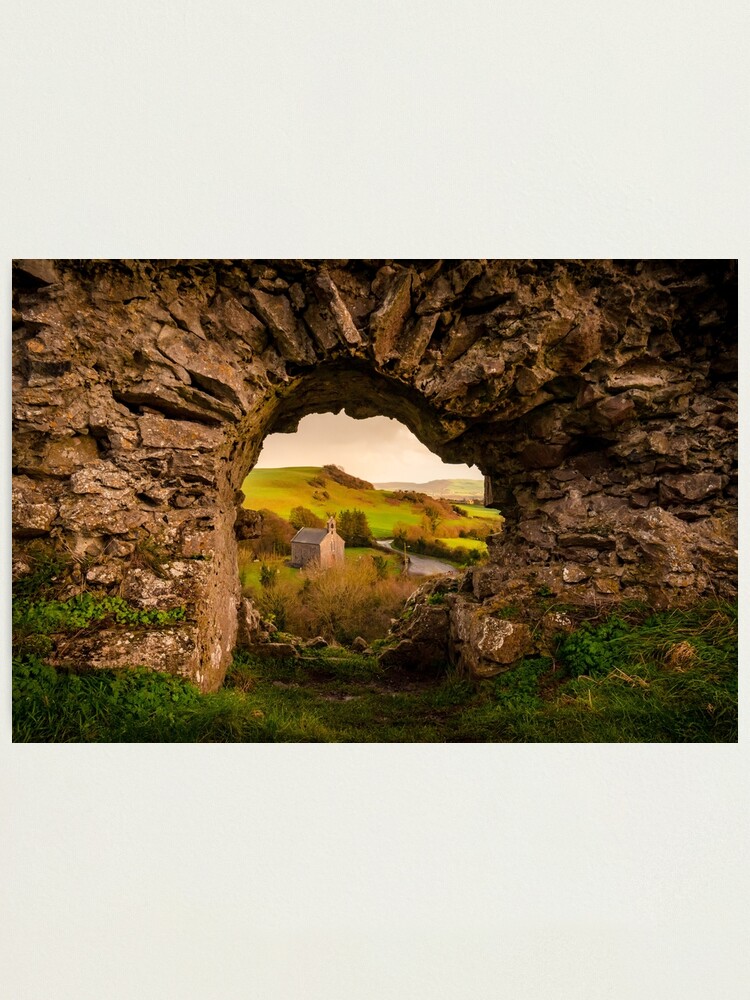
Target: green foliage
(45, 616)
(121, 706)
(594, 650)
(353, 527)
(272, 604)
(433, 514)
(37, 616)
(303, 517)
(380, 565)
(268, 575)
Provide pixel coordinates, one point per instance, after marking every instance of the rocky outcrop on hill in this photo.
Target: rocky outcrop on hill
(599, 398)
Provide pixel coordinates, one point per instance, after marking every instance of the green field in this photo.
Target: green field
(474, 511)
(280, 490)
(250, 570)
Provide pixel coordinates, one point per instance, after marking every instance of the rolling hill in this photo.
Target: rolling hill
(447, 489)
(280, 490)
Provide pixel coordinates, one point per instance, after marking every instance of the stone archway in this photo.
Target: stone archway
(598, 397)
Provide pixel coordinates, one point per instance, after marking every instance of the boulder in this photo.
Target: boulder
(248, 524)
(574, 573)
(486, 644)
(419, 640)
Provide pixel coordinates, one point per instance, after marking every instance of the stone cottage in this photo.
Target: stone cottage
(325, 546)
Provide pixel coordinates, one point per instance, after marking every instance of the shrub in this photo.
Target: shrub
(339, 603)
(433, 515)
(380, 565)
(274, 603)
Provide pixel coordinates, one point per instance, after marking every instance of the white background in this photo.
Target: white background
(179, 128)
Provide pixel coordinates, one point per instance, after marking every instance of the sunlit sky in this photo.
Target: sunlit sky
(378, 449)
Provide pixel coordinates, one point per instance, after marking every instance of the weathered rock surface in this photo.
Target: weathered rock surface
(483, 643)
(174, 650)
(419, 640)
(252, 629)
(598, 397)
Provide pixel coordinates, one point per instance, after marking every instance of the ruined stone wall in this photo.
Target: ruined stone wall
(598, 397)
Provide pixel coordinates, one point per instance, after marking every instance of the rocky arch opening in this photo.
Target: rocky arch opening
(359, 393)
(393, 536)
(355, 389)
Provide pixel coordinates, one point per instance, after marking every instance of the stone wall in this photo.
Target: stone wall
(598, 397)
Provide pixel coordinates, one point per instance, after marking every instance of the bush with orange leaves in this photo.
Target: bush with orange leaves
(343, 602)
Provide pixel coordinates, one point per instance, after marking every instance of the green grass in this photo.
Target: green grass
(618, 680)
(250, 571)
(484, 512)
(280, 490)
(354, 554)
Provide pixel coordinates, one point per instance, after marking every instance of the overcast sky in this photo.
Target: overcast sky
(378, 449)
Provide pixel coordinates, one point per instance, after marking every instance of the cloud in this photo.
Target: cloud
(379, 449)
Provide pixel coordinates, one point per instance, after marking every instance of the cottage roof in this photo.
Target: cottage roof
(313, 535)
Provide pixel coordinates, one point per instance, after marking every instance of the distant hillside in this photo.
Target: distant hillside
(280, 490)
(442, 488)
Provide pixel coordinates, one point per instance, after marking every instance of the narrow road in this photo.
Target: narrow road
(419, 565)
